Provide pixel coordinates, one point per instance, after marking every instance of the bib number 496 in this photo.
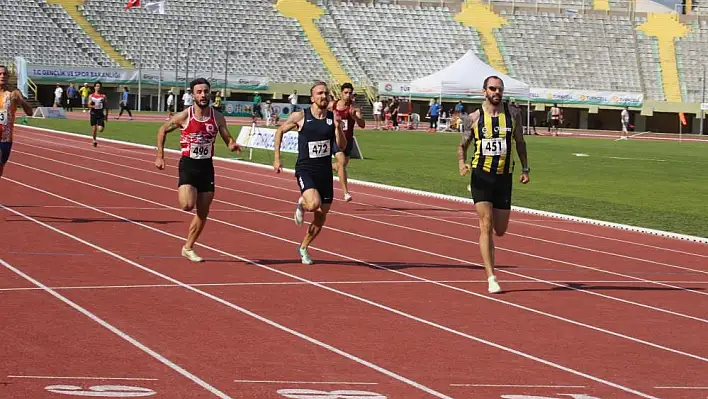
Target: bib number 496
(200, 151)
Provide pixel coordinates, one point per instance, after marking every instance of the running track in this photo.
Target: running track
(97, 301)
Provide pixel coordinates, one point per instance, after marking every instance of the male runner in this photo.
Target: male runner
(492, 128)
(317, 128)
(9, 100)
(349, 115)
(199, 124)
(99, 110)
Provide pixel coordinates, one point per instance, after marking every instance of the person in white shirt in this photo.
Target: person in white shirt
(170, 105)
(58, 92)
(293, 101)
(187, 99)
(378, 109)
(625, 123)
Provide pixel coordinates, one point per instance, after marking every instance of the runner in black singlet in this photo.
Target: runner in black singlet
(317, 129)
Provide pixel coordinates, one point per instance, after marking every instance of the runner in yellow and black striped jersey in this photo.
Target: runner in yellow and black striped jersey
(491, 129)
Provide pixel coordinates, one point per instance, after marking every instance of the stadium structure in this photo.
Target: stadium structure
(591, 57)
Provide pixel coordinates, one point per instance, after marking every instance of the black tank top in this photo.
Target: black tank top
(314, 143)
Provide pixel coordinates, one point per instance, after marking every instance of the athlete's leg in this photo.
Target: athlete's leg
(500, 217)
(187, 195)
(2, 169)
(485, 214)
(320, 216)
(199, 220)
(342, 162)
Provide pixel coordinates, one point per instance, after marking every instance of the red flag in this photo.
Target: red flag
(132, 3)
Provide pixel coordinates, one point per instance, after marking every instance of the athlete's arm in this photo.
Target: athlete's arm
(177, 121)
(359, 117)
(339, 133)
(467, 122)
(22, 103)
(293, 122)
(520, 145)
(224, 132)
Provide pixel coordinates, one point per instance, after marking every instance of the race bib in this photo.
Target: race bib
(319, 149)
(493, 147)
(3, 117)
(200, 151)
(345, 124)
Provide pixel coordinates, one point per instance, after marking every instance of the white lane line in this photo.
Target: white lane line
(49, 377)
(512, 304)
(372, 303)
(457, 260)
(286, 283)
(304, 382)
(246, 168)
(515, 386)
(210, 296)
(116, 331)
(689, 388)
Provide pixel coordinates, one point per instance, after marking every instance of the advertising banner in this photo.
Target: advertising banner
(587, 97)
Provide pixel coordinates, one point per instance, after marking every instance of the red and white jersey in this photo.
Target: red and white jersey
(198, 137)
(99, 102)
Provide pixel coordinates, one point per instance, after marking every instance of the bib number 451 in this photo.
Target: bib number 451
(493, 147)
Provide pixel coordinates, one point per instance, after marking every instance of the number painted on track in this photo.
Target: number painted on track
(101, 391)
(341, 394)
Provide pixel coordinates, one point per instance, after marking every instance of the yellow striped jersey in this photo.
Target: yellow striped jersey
(492, 139)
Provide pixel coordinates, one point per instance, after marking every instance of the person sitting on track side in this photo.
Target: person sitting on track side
(199, 125)
(317, 128)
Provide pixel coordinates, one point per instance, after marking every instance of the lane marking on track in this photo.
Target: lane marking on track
(231, 305)
(304, 382)
(49, 377)
(352, 296)
(515, 386)
(116, 331)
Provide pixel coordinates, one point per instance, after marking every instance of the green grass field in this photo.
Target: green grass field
(660, 185)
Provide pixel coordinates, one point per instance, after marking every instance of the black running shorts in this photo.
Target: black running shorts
(198, 173)
(320, 181)
(98, 119)
(492, 188)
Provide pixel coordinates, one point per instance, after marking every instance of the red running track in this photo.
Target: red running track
(96, 295)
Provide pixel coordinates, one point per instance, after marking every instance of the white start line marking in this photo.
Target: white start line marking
(101, 391)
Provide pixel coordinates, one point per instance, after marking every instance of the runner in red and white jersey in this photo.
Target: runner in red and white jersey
(199, 124)
(99, 110)
(350, 115)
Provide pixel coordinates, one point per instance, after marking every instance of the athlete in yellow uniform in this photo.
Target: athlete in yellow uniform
(9, 100)
(492, 129)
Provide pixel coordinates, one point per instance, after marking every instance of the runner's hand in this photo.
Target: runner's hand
(233, 146)
(464, 168)
(524, 178)
(277, 166)
(160, 163)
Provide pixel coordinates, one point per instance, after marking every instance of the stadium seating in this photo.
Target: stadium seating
(26, 29)
(263, 43)
(373, 42)
(592, 51)
(690, 50)
(399, 43)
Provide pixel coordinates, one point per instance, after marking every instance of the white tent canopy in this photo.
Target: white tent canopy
(464, 78)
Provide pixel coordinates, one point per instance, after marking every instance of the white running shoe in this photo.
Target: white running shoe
(493, 285)
(304, 256)
(299, 213)
(347, 197)
(191, 255)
